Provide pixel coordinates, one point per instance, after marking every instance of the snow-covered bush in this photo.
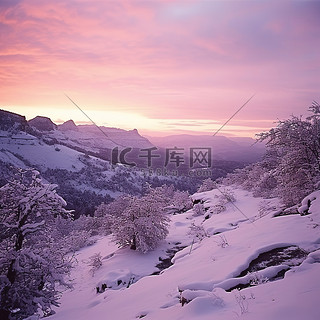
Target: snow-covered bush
(197, 231)
(77, 239)
(228, 195)
(207, 185)
(265, 208)
(223, 199)
(198, 210)
(95, 262)
(257, 279)
(31, 262)
(219, 207)
(266, 185)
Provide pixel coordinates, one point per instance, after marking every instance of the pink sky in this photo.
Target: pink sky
(161, 66)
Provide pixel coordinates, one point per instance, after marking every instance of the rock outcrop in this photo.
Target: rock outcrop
(42, 124)
(10, 121)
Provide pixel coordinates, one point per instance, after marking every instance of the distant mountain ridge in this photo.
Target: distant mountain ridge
(222, 148)
(101, 140)
(87, 138)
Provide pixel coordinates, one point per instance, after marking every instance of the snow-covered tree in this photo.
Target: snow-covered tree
(295, 178)
(140, 223)
(31, 263)
(296, 144)
(291, 166)
(109, 213)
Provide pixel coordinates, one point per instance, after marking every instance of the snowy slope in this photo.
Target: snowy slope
(33, 150)
(80, 176)
(203, 272)
(92, 138)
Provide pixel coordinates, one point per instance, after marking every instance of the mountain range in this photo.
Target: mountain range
(94, 139)
(80, 160)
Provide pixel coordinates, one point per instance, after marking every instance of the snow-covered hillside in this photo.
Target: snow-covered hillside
(39, 141)
(83, 180)
(94, 139)
(273, 258)
(24, 148)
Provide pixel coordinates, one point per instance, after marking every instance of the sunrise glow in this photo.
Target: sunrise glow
(163, 67)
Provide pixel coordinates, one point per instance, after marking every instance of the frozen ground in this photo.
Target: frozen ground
(209, 279)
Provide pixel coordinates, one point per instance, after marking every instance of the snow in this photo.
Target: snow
(313, 199)
(37, 153)
(201, 273)
(91, 138)
(7, 156)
